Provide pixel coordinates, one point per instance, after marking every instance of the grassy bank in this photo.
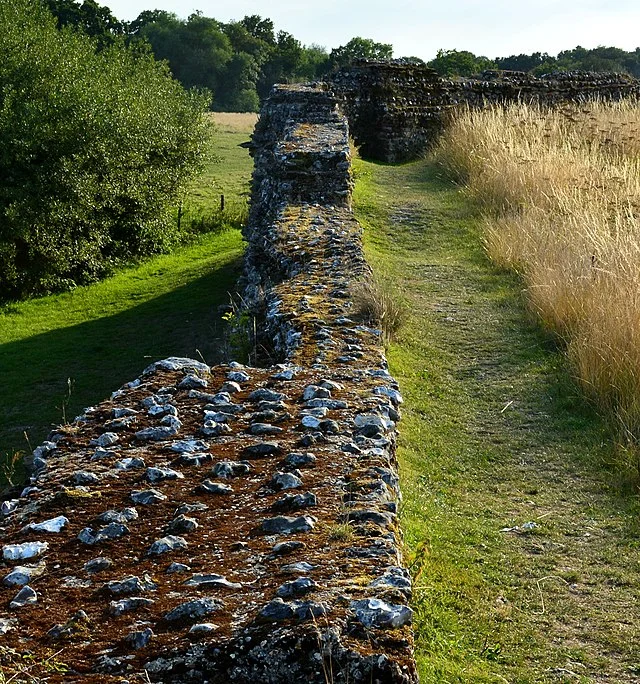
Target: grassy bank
(521, 540)
(61, 353)
(560, 191)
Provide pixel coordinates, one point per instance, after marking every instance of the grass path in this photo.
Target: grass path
(494, 437)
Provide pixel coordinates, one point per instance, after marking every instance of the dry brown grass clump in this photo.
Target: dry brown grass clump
(561, 195)
(377, 304)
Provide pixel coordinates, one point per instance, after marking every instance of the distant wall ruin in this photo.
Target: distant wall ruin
(396, 110)
(232, 524)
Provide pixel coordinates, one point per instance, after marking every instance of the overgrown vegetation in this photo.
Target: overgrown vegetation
(561, 195)
(97, 148)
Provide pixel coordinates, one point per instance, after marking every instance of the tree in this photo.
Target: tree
(97, 147)
(89, 17)
(359, 48)
(459, 63)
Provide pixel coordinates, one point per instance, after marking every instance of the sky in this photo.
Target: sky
(419, 29)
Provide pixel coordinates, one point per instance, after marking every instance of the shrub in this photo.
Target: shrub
(96, 149)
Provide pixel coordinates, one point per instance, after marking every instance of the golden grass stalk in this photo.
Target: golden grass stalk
(560, 192)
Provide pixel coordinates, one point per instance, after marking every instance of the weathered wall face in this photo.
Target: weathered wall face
(396, 110)
(233, 523)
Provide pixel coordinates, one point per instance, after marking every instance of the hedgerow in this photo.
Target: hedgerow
(95, 150)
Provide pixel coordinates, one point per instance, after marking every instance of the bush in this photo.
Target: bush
(96, 149)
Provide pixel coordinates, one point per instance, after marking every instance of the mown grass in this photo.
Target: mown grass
(495, 434)
(61, 353)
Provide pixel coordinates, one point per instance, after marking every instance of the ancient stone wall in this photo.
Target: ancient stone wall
(396, 110)
(232, 523)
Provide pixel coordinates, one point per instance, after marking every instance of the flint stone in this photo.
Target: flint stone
(264, 394)
(8, 507)
(298, 587)
(282, 481)
(140, 639)
(6, 625)
(188, 445)
(264, 429)
(129, 605)
(97, 564)
(155, 434)
(175, 363)
(194, 459)
(283, 524)
(99, 454)
(209, 487)
(331, 404)
(298, 460)
(175, 568)
(186, 508)
(159, 474)
(53, 525)
(203, 628)
(394, 578)
(123, 516)
(130, 585)
(284, 548)
(371, 515)
(182, 525)
(213, 429)
(194, 609)
(311, 422)
(193, 382)
(14, 552)
(231, 387)
(293, 502)
(279, 611)
(23, 574)
(297, 568)
(373, 612)
(229, 469)
(83, 477)
(262, 449)
(111, 531)
(315, 392)
(212, 582)
(105, 440)
(130, 463)
(238, 376)
(26, 596)
(147, 496)
(169, 543)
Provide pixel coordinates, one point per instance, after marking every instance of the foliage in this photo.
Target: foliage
(97, 147)
(359, 48)
(93, 19)
(459, 63)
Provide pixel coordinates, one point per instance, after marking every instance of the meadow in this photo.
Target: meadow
(61, 353)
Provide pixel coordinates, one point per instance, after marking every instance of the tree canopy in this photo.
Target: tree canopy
(96, 147)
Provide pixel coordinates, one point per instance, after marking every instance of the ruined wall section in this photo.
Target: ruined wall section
(231, 523)
(396, 110)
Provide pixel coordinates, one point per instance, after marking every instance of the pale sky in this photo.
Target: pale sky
(494, 28)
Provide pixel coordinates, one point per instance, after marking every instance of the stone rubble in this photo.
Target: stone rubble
(236, 524)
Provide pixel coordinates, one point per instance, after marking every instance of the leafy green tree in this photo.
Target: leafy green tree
(90, 17)
(522, 62)
(96, 149)
(359, 48)
(459, 63)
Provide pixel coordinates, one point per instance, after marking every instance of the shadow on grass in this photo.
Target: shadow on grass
(98, 356)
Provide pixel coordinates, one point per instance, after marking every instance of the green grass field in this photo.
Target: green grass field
(61, 353)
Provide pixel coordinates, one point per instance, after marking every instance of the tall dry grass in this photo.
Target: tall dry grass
(560, 192)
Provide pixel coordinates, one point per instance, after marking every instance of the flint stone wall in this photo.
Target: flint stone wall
(397, 109)
(216, 524)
